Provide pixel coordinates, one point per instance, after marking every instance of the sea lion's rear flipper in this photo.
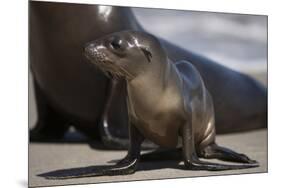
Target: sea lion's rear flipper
(196, 164)
(192, 162)
(214, 151)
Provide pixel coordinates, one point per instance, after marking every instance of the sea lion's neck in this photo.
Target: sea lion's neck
(149, 88)
(156, 74)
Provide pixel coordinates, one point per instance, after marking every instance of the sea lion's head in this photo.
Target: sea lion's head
(124, 54)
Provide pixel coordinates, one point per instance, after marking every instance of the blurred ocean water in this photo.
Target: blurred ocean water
(235, 40)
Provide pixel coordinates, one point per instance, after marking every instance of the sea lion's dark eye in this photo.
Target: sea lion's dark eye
(116, 44)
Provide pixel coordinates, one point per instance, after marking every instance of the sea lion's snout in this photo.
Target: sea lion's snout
(94, 52)
(89, 48)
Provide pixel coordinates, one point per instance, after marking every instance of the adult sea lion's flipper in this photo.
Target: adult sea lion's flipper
(109, 140)
(50, 125)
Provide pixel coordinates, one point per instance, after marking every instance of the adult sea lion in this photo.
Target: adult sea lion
(68, 92)
(165, 101)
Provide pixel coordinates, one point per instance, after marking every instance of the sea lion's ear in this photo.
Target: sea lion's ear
(146, 53)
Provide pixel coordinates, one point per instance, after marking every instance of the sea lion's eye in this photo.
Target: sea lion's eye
(116, 44)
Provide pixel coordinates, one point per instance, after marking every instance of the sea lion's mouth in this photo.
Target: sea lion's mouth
(108, 67)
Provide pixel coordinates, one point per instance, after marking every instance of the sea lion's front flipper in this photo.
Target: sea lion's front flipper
(128, 165)
(214, 151)
(91, 171)
(192, 162)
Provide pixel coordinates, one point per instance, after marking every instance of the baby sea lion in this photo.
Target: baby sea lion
(165, 101)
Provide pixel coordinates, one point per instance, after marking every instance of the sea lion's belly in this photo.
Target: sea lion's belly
(163, 129)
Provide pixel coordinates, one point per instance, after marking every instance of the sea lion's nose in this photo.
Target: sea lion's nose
(89, 47)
